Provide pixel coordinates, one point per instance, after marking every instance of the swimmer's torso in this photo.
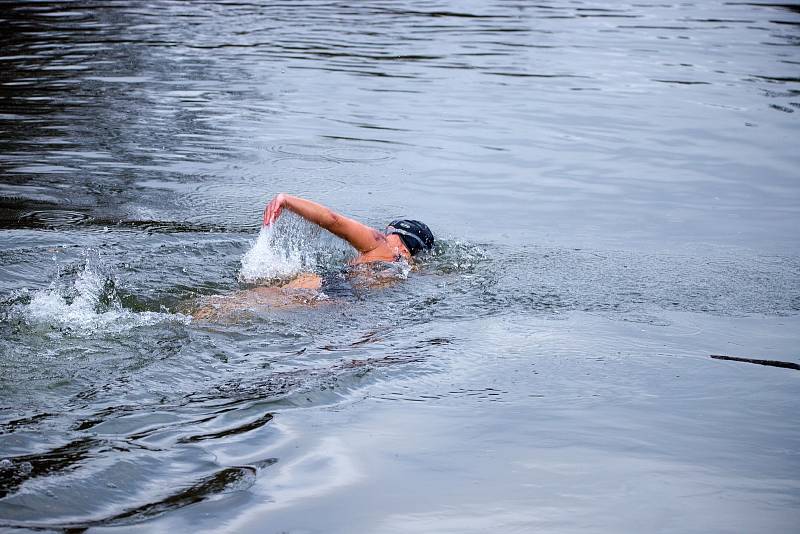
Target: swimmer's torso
(305, 290)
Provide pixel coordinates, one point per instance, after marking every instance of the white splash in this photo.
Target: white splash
(90, 305)
(277, 254)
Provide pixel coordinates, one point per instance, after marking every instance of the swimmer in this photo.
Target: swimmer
(402, 238)
(400, 242)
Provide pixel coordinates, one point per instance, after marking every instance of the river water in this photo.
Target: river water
(614, 190)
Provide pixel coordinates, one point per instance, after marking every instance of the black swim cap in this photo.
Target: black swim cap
(416, 236)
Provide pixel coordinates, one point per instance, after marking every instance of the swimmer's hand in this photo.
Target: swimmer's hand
(273, 209)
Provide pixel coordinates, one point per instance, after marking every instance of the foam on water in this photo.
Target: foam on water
(89, 305)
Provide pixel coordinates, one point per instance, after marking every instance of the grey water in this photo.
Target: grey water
(615, 192)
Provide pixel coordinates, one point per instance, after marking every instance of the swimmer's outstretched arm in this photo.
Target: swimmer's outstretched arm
(362, 237)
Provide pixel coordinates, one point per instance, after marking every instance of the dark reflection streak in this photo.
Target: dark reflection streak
(654, 27)
(370, 126)
(258, 423)
(29, 220)
(375, 57)
(258, 30)
(57, 33)
(12, 426)
(58, 7)
(109, 41)
(220, 482)
(131, 445)
(481, 54)
(732, 21)
(228, 45)
(373, 127)
(601, 15)
(86, 424)
(777, 78)
(456, 30)
(438, 14)
(513, 45)
(682, 82)
(362, 139)
(781, 108)
(529, 75)
(402, 91)
(356, 72)
(160, 428)
(790, 7)
(56, 460)
(454, 66)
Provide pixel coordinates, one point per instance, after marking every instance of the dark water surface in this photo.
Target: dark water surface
(615, 190)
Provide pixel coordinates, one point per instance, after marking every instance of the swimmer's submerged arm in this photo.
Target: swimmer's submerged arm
(360, 236)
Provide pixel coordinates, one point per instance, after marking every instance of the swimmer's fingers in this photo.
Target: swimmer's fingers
(270, 214)
(273, 210)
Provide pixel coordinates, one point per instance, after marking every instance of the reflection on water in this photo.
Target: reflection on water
(613, 187)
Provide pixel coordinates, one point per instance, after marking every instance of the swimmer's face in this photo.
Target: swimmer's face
(394, 240)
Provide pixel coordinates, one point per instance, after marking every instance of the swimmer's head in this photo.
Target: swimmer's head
(416, 236)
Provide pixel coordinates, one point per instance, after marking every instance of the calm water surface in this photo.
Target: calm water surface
(615, 191)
